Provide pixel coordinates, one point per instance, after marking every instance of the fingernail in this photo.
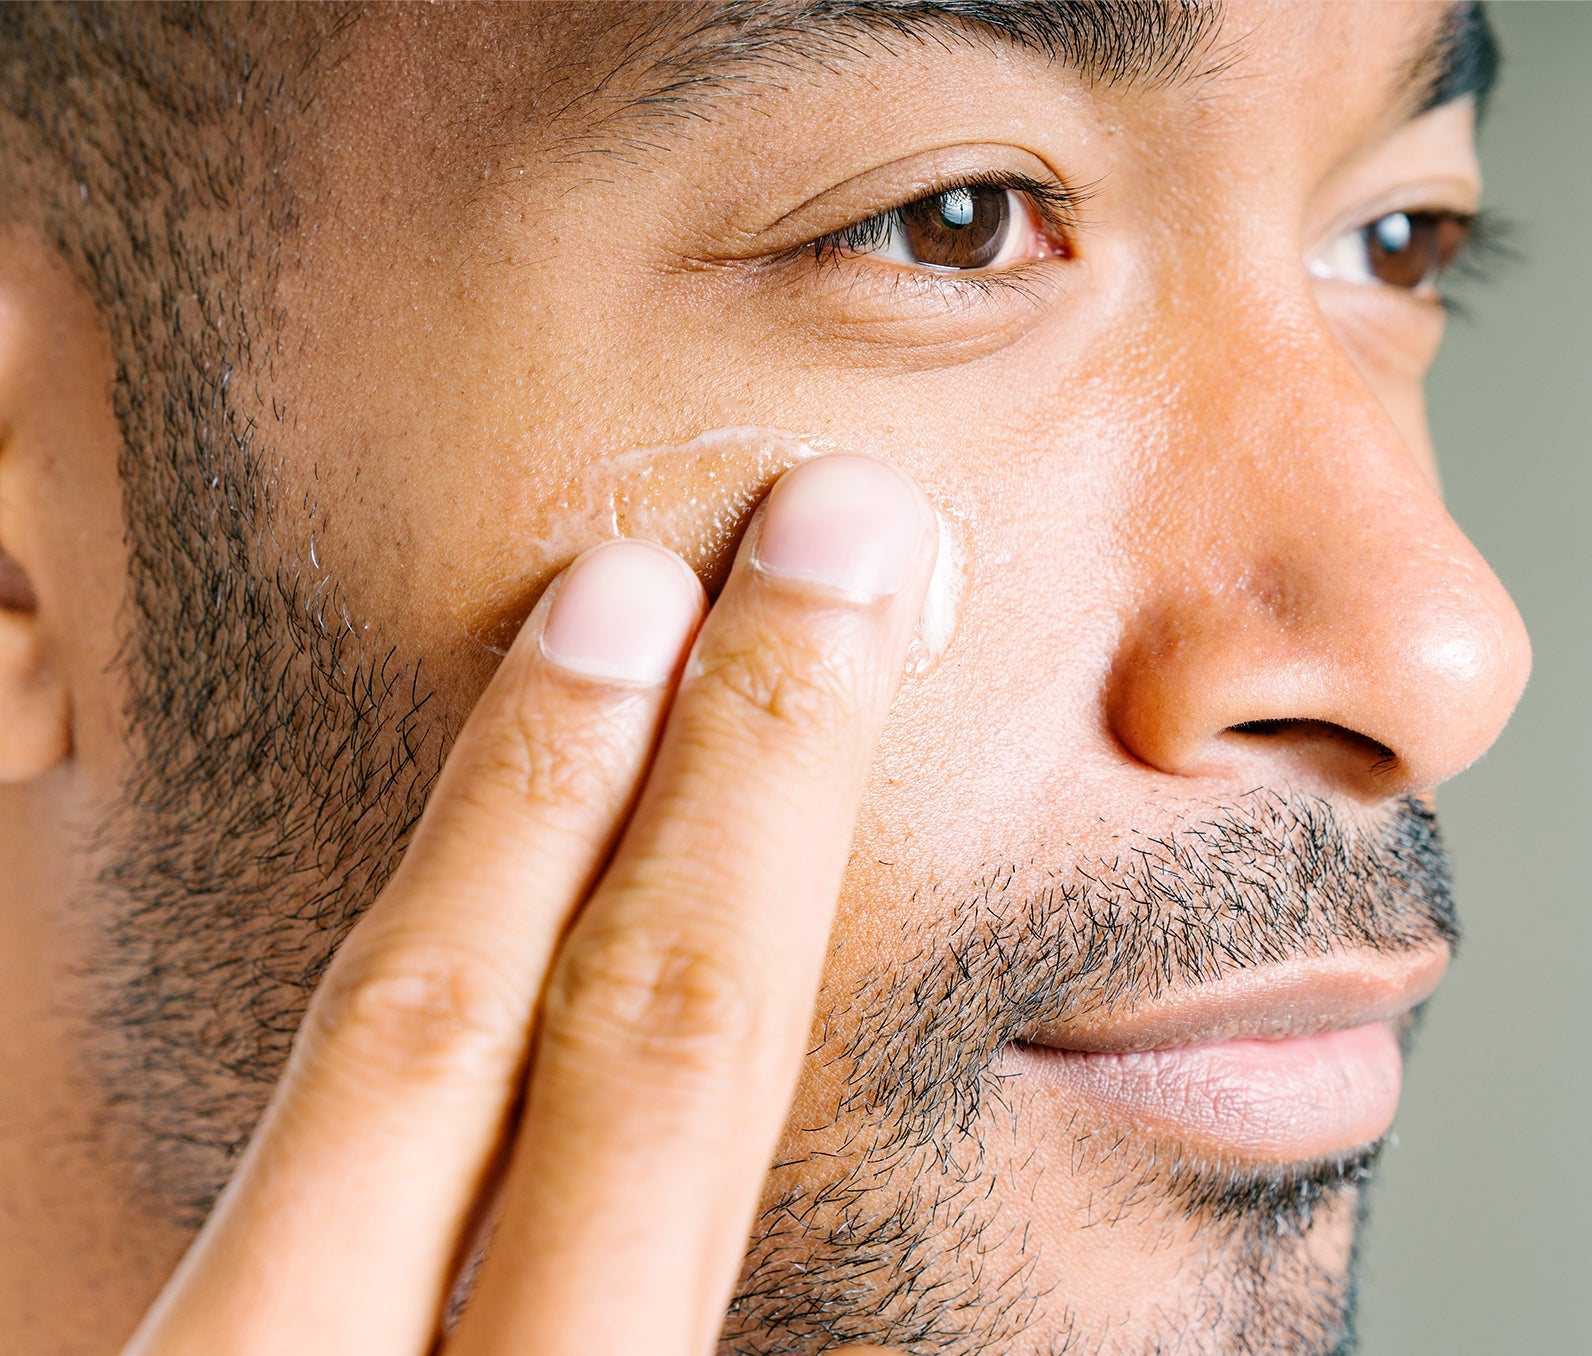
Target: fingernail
(625, 611)
(850, 523)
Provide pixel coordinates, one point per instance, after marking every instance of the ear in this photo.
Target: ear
(35, 715)
(63, 556)
(48, 371)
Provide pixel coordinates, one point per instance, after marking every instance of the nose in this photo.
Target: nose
(1306, 603)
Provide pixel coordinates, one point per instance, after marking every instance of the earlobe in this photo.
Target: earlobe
(35, 714)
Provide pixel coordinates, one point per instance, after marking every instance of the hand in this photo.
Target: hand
(582, 1001)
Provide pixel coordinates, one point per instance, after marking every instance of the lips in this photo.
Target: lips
(1288, 1062)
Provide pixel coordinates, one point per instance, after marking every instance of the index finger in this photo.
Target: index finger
(678, 1010)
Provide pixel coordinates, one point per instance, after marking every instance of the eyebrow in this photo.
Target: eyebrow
(700, 51)
(1460, 61)
(694, 53)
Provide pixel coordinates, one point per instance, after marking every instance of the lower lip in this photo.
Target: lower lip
(1293, 1099)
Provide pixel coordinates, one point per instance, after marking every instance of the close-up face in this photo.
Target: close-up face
(1143, 300)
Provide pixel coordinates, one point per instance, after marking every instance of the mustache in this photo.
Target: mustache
(1262, 880)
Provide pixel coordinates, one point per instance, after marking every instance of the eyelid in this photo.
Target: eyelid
(887, 188)
(1441, 196)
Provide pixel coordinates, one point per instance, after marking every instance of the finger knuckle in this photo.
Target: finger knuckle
(785, 681)
(418, 1013)
(657, 997)
(570, 761)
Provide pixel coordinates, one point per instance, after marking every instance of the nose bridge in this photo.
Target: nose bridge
(1297, 567)
(1288, 478)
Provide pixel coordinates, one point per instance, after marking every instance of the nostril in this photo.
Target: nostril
(1309, 738)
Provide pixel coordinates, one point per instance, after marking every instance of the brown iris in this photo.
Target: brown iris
(962, 228)
(1410, 249)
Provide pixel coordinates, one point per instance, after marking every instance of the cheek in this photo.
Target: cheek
(696, 498)
(1415, 426)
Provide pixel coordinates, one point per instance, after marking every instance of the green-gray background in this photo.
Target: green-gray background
(1479, 1232)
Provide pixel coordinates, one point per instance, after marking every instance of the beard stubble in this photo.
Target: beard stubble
(237, 861)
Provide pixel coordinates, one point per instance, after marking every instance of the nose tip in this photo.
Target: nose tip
(1305, 608)
(1467, 662)
(1386, 669)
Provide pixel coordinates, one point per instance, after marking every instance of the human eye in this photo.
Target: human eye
(975, 228)
(1411, 251)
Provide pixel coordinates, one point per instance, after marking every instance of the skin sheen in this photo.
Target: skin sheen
(1206, 583)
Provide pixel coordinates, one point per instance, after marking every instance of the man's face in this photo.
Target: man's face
(1152, 339)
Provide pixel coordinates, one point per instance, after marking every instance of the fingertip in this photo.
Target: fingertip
(624, 611)
(853, 524)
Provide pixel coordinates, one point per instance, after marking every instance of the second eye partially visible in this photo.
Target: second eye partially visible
(1410, 251)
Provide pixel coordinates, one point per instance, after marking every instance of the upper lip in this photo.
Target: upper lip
(1295, 998)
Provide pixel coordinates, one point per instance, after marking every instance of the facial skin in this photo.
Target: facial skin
(1217, 640)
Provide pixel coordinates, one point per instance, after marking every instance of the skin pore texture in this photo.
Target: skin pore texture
(302, 410)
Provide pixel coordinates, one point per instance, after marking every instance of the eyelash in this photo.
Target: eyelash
(1488, 250)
